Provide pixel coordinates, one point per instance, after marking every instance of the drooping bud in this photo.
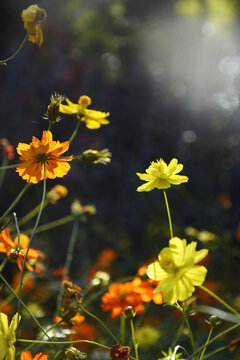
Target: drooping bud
(52, 114)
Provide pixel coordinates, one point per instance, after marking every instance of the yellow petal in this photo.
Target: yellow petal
(199, 255)
(196, 275)
(148, 186)
(155, 272)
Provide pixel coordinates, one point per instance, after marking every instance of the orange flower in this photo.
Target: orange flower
(146, 289)
(7, 148)
(120, 296)
(17, 254)
(75, 320)
(29, 283)
(26, 355)
(39, 154)
(105, 258)
(82, 331)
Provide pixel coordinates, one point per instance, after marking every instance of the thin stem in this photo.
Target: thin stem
(100, 321)
(217, 337)
(32, 213)
(216, 351)
(71, 247)
(63, 342)
(25, 306)
(7, 167)
(3, 62)
(122, 329)
(188, 326)
(204, 349)
(69, 258)
(75, 131)
(51, 225)
(2, 266)
(209, 292)
(14, 203)
(3, 173)
(169, 215)
(17, 228)
(31, 238)
(135, 344)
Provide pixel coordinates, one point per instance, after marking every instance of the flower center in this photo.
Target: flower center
(42, 158)
(159, 165)
(167, 263)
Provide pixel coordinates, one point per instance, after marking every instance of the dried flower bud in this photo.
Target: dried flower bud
(56, 193)
(52, 114)
(71, 292)
(95, 156)
(119, 352)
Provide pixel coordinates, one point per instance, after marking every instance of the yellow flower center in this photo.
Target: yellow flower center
(160, 165)
(167, 262)
(42, 158)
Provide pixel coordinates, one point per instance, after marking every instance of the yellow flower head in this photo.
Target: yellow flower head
(161, 176)
(176, 268)
(43, 153)
(7, 336)
(92, 118)
(32, 17)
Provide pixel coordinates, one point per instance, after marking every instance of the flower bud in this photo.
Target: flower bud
(75, 354)
(96, 157)
(52, 114)
(56, 193)
(129, 313)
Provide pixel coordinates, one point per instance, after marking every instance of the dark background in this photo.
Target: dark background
(168, 72)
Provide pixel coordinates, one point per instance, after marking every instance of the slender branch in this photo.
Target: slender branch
(188, 326)
(169, 215)
(102, 323)
(75, 131)
(25, 306)
(217, 337)
(14, 203)
(135, 344)
(204, 349)
(63, 342)
(3, 62)
(51, 225)
(31, 238)
(209, 292)
(7, 167)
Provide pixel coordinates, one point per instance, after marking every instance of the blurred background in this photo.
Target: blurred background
(168, 73)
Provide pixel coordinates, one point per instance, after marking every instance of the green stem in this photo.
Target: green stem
(216, 351)
(2, 266)
(217, 337)
(69, 258)
(3, 173)
(75, 131)
(14, 203)
(169, 215)
(188, 326)
(17, 228)
(135, 344)
(51, 225)
(209, 335)
(32, 213)
(25, 306)
(3, 62)
(122, 329)
(40, 337)
(7, 167)
(31, 238)
(100, 322)
(63, 342)
(209, 292)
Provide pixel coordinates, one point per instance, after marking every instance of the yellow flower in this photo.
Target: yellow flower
(39, 154)
(176, 268)
(161, 176)
(32, 17)
(7, 336)
(92, 118)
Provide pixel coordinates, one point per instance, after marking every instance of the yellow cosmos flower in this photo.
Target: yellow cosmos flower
(161, 176)
(7, 337)
(92, 118)
(43, 153)
(176, 268)
(32, 17)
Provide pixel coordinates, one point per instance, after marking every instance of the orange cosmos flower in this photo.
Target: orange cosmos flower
(75, 320)
(43, 153)
(120, 296)
(82, 331)
(17, 254)
(26, 355)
